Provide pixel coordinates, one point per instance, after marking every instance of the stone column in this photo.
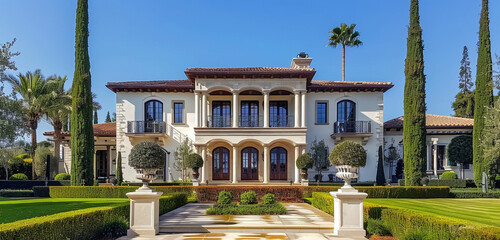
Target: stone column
(196, 109)
(266, 108)
(297, 170)
(235, 109)
(297, 109)
(204, 110)
(144, 212)
(434, 153)
(303, 111)
(235, 163)
(205, 165)
(266, 165)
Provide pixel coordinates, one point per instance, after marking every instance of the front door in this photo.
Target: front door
(220, 163)
(249, 164)
(102, 163)
(278, 164)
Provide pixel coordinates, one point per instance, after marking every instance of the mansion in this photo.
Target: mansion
(250, 124)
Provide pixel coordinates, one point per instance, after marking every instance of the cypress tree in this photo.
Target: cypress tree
(414, 103)
(82, 132)
(484, 91)
(119, 172)
(380, 168)
(108, 118)
(96, 121)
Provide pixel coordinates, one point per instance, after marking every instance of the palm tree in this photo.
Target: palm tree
(57, 108)
(346, 36)
(33, 88)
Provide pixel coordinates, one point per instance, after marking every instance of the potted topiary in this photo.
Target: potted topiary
(347, 157)
(304, 162)
(146, 158)
(195, 162)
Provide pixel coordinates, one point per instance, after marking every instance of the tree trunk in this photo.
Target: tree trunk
(343, 63)
(57, 146)
(33, 148)
(6, 172)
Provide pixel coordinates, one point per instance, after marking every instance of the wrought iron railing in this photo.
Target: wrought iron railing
(281, 121)
(352, 127)
(251, 121)
(146, 127)
(219, 121)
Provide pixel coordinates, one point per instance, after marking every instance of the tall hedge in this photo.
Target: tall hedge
(484, 90)
(82, 132)
(380, 168)
(414, 102)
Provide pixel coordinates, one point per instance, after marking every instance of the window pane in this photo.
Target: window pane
(321, 113)
(178, 112)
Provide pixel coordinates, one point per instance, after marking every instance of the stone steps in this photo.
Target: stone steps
(224, 228)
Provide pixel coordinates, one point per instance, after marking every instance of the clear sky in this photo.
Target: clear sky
(158, 40)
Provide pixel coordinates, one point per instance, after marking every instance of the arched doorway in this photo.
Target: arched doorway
(278, 164)
(249, 164)
(220, 164)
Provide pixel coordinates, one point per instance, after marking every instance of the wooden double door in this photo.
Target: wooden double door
(249, 164)
(278, 164)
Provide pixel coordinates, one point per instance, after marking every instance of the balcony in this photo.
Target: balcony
(281, 120)
(218, 121)
(352, 129)
(251, 121)
(155, 131)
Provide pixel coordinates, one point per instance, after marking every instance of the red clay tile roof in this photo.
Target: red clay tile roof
(152, 86)
(100, 130)
(250, 72)
(348, 86)
(435, 121)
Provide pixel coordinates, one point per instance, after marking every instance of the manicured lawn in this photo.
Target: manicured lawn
(14, 210)
(477, 210)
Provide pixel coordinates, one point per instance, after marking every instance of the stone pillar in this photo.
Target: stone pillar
(204, 110)
(196, 109)
(235, 164)
(434, 154)
(297, 170)
(266, 164)
(348, 213)
(144, 212)
(266, 109)
(205, 165)
(303, 110)
(235, 109)
(297, 110)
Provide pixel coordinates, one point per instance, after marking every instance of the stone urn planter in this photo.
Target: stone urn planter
(146, 175)
(195, 162)
(304, 162)
(146, 158)
(346, 173)
(195, 172)
(303, 174)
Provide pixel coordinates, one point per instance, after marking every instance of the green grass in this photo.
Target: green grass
(477, 210)
(14, 210)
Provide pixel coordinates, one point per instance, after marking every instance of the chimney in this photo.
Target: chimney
(302, 61)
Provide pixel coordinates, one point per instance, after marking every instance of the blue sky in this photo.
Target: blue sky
(157, 40)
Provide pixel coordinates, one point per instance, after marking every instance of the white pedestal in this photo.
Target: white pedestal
(348, 212)
(144, 212)
(305, 182)
(195, 182)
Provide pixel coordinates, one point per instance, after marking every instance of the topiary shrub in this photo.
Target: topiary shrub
(62, 176)
(348, 153)
(225, 197)
(194, 160)
(147, 155)
(460, 150)
(18, 176)
(268, 199)
(449, 175)
(249, 197)
(305, 161)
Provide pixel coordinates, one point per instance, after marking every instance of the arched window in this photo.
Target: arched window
(220, 164)
(278, 164)
(346, 116)
(153, 111)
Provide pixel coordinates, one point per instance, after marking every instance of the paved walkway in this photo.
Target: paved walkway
(302, 222)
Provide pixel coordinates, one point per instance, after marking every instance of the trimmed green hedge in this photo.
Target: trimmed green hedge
(16, 193)
(453, 183)
(108, 192)
(391, 192)
(250, 209)
(82, 224)
(401, 222)
(474, 194)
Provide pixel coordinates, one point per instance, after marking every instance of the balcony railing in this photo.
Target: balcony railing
(251, 121)
(352, 127)
(146, 127)
(281, 120)
(219, 121)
